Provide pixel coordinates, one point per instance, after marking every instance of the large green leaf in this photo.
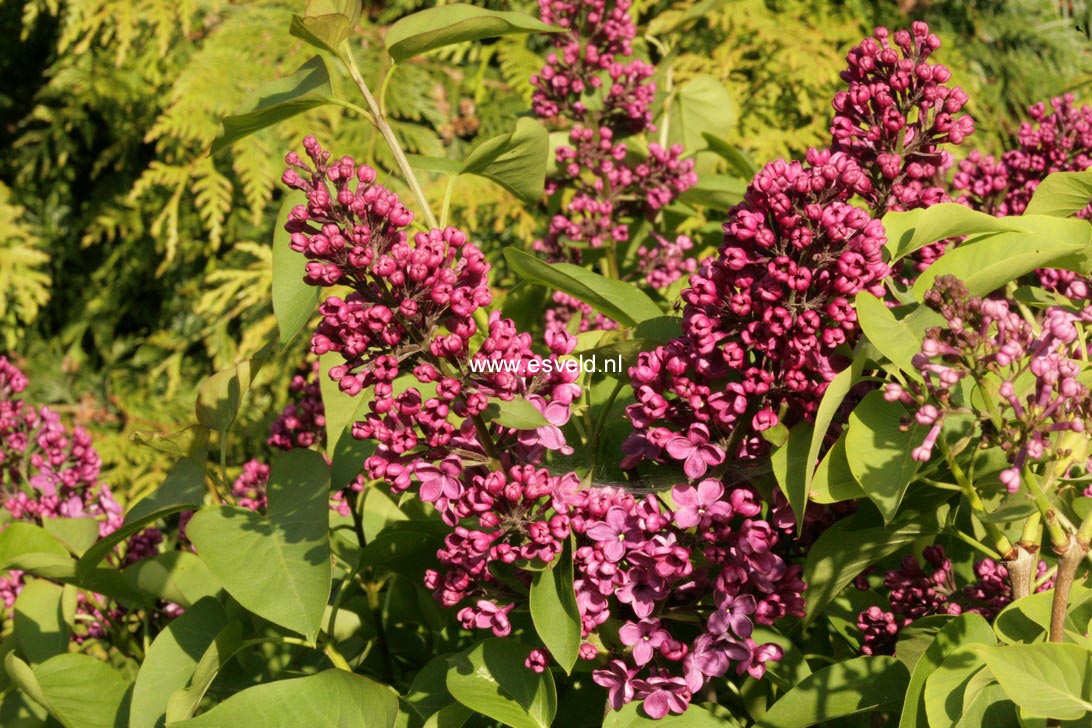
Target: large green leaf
(174, 576)
(946, 686)
(1062, 194)
(341, 409)
(306, 89)
(331, 699)
(183, 702)
(790, 465)
(554, 611)
(219, 396)
(75, 534)
(516, 161)
(20, 539)
(833, 481)
(1049, 679)
(832, 400)
(42, 615)
(844, 688)
(455, 23)
(910, 231)
(966, 629)
(899, 339)
(491, 678)
(989, 262)
(623, 302)
(881, 451)
(294, 300)
(276, 565)
(516, 413)
(170, 661)
(326, 24)
(701, 106)
(855, 543)
(183, 489)
(77, 690)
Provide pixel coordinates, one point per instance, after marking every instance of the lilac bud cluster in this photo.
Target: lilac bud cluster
(918, 590)
(408, 336)
(1034, 370)
(896, 114)
(48, 471)
(591, 81)
(765, 320)
(1059, 141)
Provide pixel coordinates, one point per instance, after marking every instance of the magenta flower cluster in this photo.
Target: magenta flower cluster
(765, 320)
(1058, 141)
(896, 115)
(591, 81)
(1035, 374)
(917, 590)
(408, 334)
(48, 471)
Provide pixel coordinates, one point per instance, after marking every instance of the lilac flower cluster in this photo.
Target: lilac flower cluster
(609, 186)
(48, 471)
(1059, 141)
(1034, 372)
(916, 590)
(896, 114)
(765, 320)
(408, 335)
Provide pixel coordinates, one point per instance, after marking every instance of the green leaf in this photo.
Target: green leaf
(1048, 679)
(174, 576)
(623, 302)
(790, 465)
(916, 637)
(701, 106)
(20, 538)
(988, 263)
(326, 24)
(428, 694)
(554, 611)
(1062, 194)
(331, 699)
(75, 534)
(41, 618)
(171, 660)
(306, 89)
(516, 161)
(737, 159)
(881, 459)
(946, 687)
(832, 400)
(715, 191)
(913, 230)
(293, 299)
(898, 339)
(986, 705)
(491, 678)
(844, 688)
(833, 481)
(852, 544)
(518, 413)
(966, 629)
(406, 546)
(219, 396)
(456, 23)
(183, 703)
(341, 409)
(276, 565)
(77, 690)
(183, 489)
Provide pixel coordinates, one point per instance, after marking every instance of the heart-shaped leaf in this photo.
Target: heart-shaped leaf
(455, 23)
(276, 565)
(490, 678)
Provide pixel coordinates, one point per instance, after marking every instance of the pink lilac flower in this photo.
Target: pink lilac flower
(49, 471)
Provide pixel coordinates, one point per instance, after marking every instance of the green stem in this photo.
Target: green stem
(1000, 541)
(446, 209)
(975, 543)
(356, 109)
(383, 89)
(1056, 524)
(380, 121)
